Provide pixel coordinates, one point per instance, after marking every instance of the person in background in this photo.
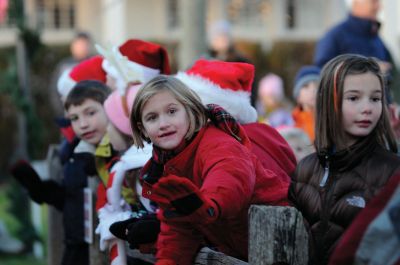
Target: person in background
(273, 107)
(357, 34)
(128, 67)
(298, 141)
(197, 169)
(221, 45)
(81, 48)
(76, 158)
(304, 93)
(123, 198)
(355, 152)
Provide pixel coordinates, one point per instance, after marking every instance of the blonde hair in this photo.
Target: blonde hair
(190, 100)
(329, 131)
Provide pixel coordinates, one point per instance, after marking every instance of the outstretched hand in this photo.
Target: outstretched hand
(181, 200)
(24, 173)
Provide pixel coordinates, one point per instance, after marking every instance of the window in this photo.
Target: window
(173, 14)
(248, 12)
(290, 14)
(56, 14)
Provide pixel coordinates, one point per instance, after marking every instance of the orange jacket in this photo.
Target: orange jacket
(304, 120)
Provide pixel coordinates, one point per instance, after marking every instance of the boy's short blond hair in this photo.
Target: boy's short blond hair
(190, 100)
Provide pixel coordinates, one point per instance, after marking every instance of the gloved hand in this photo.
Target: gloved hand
(181, 200)
(23, 172)
(140, 232)
(108, 216)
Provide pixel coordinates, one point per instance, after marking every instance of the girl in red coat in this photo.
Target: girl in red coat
(202, 174)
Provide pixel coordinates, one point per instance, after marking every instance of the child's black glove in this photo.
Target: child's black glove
(137, 231)
(28, 178)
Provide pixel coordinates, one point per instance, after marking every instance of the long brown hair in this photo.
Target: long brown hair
(329, 131)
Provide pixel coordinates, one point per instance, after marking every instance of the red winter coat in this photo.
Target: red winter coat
(228, 173)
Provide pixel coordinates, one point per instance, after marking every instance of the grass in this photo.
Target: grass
(20, 260)
(13, 224)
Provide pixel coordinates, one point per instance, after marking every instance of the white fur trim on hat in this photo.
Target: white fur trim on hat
(123, 70)
(65, 84)
(237, 103)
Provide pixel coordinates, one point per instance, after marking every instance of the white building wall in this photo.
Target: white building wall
(113, 21)
(390, 30)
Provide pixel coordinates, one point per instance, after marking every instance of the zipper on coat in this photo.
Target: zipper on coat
(326, 173)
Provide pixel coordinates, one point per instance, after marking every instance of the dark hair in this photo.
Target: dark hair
(83, 35)
(88, 89)
(328, 129)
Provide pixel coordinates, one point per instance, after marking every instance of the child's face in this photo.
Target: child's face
(88, 120)
(116, 138)
(300, 148)
(307, 95)
(362, 105)
(165, 120)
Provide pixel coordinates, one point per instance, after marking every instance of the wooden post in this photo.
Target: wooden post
(55, 237)
(277, 235)
(96, 257)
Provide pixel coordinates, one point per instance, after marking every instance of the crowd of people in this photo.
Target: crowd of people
(181, 157)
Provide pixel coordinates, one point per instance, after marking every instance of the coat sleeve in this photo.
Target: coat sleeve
(179, 242)
(228, 174)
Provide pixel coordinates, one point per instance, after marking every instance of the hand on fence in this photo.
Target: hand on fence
(141, 232)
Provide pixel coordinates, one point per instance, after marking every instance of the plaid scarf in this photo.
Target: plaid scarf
(224, 121)
(219, 117)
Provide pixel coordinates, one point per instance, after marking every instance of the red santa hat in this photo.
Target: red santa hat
(135, 61)
(118, 108)
(89, 69)
(227, 84)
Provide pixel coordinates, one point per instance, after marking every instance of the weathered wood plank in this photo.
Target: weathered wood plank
(207, 256)
(56, 229)
(277, 235)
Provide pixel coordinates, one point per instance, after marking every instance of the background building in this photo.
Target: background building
(260, 21)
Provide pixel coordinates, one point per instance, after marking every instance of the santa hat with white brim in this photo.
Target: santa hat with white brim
(89, 69)
(227, 84)
(135, 61)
